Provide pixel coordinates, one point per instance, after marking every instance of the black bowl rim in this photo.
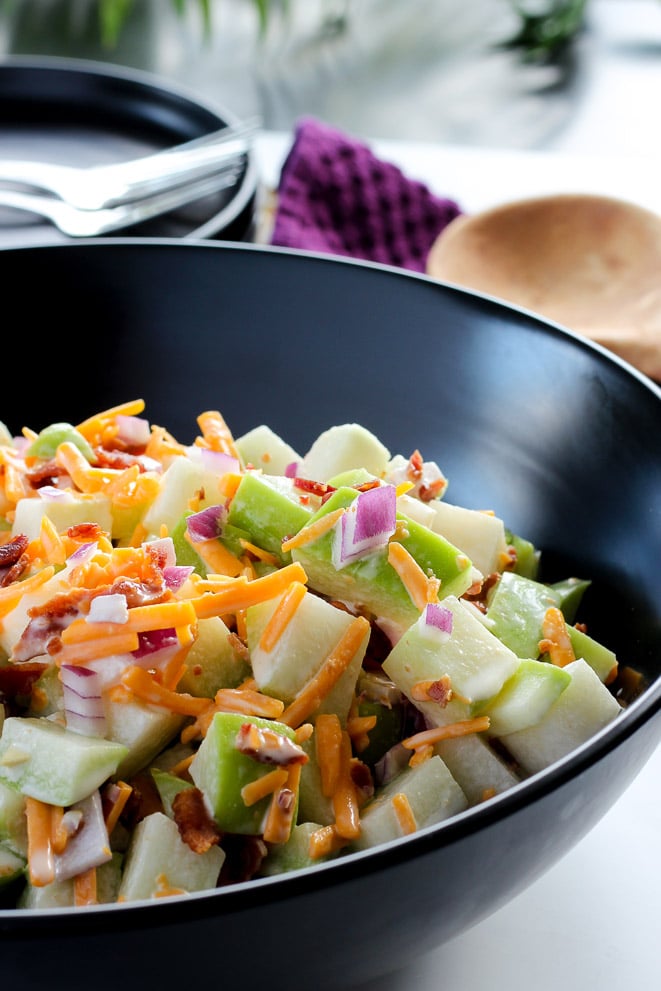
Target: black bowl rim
(267, 890)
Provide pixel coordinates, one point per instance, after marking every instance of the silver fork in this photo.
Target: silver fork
(99, 186)
(76, 222)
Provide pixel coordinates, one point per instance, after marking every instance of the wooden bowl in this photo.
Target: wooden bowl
(589, 262)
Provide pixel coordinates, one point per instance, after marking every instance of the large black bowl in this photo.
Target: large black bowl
(560, 438)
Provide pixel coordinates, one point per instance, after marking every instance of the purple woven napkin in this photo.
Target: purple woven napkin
(334, 195)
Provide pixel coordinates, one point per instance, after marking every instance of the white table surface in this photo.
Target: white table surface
(594, 920)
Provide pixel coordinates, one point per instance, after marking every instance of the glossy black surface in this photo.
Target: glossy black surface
(84, 113)
(552, 433)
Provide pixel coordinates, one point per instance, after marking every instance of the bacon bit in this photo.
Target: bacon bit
(324, 841)
(314, 488)
(196, 827)
(556, 641)
(404, 813)
(431, 491)
(451, 730)
(413, 577)
(316, 690)
(282, 808)
(268, 747)
(17, 680)
(238, 644)
(363, 781)
(265, 785)
(508, 558)
(313, 531)
(216, 435)
(239, 593)
(84, 888)
(41, 863)
(145, 687)
(114, 799)
(478, 593)
(415, 466)
(282, 616)
(13, 550)
(436, 691)
(328, 750)
(44, 474)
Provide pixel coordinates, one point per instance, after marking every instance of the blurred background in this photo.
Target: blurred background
(585, 76)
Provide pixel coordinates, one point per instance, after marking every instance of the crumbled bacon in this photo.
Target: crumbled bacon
(13, 560)
(45, 474)
(268, 747)
(46, 622)
(85, 532)
(238, 646)
(118, 459)
(415, 466)
(427, 492)
(362, 779)
(16, 683)
(138, 593)
(316, 488)
(196, 827)
(479, 594)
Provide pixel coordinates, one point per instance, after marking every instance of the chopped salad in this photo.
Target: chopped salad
(224, 660)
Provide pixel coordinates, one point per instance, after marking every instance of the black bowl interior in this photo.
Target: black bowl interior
(551, 432)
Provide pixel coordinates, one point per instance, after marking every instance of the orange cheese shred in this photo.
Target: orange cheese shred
(90, 650)
(84, 888)
(413, 577)
(334, 666)
(324, 841)
(41, 863)
(141, 619)
(11, 595)
(328, 750)
(282, 616)
(345, 796)
(448, 732)
(404, 813)
(124, 791)
(282, 808)
(216, 434)
(140, 682)
(556, 642)
(240, 593)
(265, 785)
(313, 531)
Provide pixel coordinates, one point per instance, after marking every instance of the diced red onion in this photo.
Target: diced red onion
(206, 524)
(156, 648)
(134, 431)
(391, 764)
(291, 470)
(108, 608)
(437, 621)
(83, 553)
(89, 846)
(50, 493)
(176, 576)
(219, 462)
(366, 526)
(83, 704)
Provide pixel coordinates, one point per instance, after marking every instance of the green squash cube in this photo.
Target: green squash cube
(220, 771)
